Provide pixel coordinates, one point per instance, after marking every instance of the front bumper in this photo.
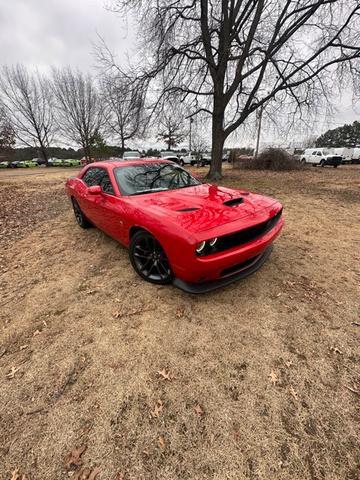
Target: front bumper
(249, 267)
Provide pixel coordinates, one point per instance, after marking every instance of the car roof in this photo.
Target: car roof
(125, 163)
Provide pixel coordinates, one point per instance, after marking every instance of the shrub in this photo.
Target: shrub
(273, 159)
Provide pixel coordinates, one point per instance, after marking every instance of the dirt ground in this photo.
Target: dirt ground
(106, 375)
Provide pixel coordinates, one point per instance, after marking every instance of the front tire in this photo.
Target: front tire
(81, 220)
(149, 259)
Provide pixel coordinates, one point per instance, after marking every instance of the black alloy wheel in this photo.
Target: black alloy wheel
(82, 221)
(149, 259)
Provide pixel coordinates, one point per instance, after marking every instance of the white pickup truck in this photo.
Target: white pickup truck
(355, 155)
(321, 156)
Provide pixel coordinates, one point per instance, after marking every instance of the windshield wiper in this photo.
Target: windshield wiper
(149, 190)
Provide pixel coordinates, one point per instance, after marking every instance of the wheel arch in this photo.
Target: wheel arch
(136, 228)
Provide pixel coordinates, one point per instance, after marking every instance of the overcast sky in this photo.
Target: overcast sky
(41, 33)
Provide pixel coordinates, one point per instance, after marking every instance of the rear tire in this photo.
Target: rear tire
(81, 220)
(149, 259)
(322, 163)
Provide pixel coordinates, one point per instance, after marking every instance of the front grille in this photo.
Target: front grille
(247, 235)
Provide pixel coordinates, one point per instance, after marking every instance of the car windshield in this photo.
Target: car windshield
(152, 177)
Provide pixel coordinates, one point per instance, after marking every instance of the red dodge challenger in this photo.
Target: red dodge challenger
(197, 236)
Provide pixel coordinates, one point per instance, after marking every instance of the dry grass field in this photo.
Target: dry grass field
(105, 377)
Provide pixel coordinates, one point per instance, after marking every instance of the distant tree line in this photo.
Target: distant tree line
(345, 136)
(37, 111)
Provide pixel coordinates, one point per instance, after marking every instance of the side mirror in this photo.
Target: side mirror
(94, 190)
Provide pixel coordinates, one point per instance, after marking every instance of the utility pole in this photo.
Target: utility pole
(258, 132)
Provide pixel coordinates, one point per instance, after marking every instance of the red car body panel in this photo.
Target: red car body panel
(180, 231)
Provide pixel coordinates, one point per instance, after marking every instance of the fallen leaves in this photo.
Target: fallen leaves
(73, 459)
(90, 292)
(165, 375)
(198, 410)
(273, 377)
(180, 312)
(336, 350)
(157, 410)
(12, 372)
(130, 313)
(161, 441)
(293, 393)
(15, 475)
(86, 473)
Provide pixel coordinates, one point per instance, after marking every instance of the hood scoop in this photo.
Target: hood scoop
(234, 202)
(188, 209)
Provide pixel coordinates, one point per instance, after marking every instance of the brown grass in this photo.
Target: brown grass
(264, 378)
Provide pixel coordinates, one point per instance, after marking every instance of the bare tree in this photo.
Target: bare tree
(80, 108)
(171, 125)
(125, 108)
(231, 57)
(27, 100)
(7, 133)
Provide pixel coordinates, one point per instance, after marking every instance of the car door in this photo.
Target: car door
(87, 201)
(105, 209)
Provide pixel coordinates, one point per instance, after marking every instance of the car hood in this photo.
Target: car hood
(202, 207)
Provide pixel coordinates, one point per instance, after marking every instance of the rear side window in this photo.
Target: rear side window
(99, 176)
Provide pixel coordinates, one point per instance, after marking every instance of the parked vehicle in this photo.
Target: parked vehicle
(40, 161)
(71, 162)
(198, 237)
(345, 153)
(4, 164)
(205, 160)
(189, 159)
(321, 156)
(355, 156)
(131, 155)
(14, 164)
(167, 153)
(25, 164)
(57, 162)
(174, 159)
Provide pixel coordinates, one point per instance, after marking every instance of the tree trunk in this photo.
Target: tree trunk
(87, 153)
(44, 154)
(218, 139)
(122, 146)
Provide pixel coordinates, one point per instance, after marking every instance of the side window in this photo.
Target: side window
(98, 176)
(91, 177)
(105, 183)
(314, 153)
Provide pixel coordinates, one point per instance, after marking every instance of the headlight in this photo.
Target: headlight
(212, 242)
(200, 247)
